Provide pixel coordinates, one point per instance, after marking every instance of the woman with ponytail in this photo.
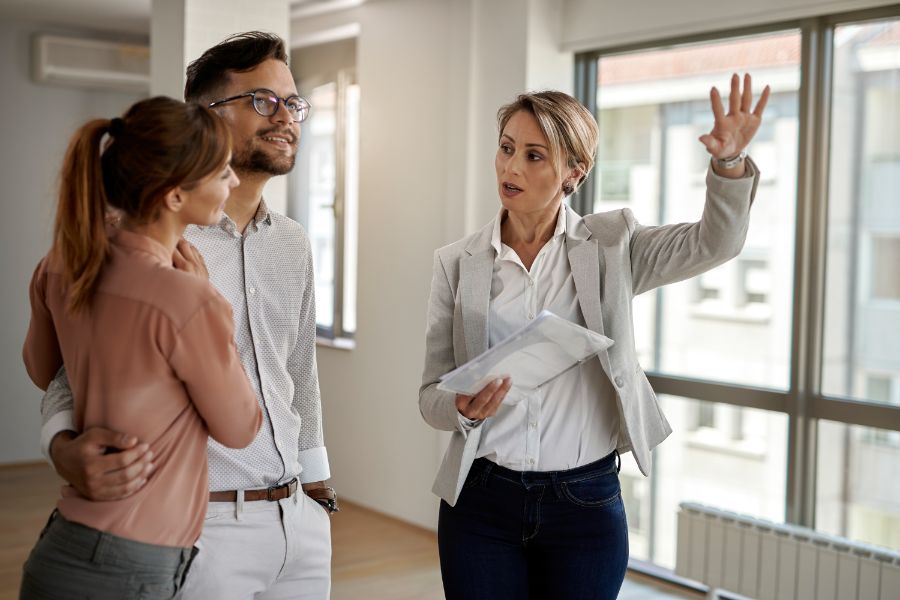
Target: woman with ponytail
(148, 347)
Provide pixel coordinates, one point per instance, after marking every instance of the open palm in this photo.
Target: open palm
(733, 131)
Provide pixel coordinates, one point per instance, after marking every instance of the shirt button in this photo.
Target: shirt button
(619, 382)
(533, 425)
(252, 291)
(530, 461)
(530, 282)
(530, 315)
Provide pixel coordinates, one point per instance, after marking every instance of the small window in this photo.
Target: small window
(886, 267)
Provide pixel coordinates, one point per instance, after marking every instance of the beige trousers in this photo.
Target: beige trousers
(264, 551)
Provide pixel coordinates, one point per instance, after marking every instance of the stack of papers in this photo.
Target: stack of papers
(535, 354)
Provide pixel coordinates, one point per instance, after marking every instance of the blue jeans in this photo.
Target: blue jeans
(533, 535)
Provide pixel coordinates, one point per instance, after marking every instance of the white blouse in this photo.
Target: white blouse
(570, 421)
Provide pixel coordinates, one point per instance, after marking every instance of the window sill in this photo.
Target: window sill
(705, 439)
(338, 343)
(748, 314)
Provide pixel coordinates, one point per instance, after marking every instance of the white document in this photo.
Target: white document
(532, 356)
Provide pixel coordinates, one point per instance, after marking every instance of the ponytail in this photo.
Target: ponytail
(80, 232)
(157, 145)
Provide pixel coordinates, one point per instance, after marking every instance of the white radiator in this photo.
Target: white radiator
(771, 561)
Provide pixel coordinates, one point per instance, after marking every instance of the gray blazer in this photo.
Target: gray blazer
(613, 258)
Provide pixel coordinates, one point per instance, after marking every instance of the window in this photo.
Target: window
(780, 370)
(885, 285)
(736, 459)
(863, 218)
(739, 290)
(858, 483)
(652, 105)
(323, 187)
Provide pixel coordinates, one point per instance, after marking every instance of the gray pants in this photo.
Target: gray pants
(74, 561)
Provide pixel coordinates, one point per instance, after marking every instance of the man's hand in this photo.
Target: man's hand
(188, 259)
(85, 462)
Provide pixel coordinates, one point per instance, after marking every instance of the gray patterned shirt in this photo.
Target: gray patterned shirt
(267, 276)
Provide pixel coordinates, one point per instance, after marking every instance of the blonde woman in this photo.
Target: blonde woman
(531, 504)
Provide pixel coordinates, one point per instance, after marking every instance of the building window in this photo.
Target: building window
(748, 352)
(862, 282)
(885, 283)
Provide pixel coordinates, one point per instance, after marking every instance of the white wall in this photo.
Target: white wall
(35, 124)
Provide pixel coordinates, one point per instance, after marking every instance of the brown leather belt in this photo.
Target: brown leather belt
(271, 494)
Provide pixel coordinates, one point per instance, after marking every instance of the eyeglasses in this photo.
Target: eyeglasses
(265, 103)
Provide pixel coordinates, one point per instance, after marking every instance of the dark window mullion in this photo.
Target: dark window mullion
(722, 393)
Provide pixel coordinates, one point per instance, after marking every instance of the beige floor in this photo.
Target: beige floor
(375, 557)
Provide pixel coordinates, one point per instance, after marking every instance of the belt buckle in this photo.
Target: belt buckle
(290, 486)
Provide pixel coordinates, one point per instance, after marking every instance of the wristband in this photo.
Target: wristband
(728, 163)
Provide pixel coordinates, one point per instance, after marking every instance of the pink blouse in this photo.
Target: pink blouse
(154, 357)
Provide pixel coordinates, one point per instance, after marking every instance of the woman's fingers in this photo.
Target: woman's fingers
(486, 402)
(492, 403)
(712, 144)
(187, 258)
(747, 95)
(761, 105)
(715, 100)
(178, 259)
(734, 98)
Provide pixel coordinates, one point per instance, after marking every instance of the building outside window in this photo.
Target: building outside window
(727, 341)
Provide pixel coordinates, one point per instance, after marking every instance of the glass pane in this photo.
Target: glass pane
(725, 456)
(351, 207)
(319, 134)
(862, 299)
(858, 483)
(733, 323)
(862, 295)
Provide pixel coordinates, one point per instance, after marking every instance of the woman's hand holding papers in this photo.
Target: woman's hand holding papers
(486, 402)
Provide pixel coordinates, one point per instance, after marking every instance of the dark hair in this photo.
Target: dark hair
(207, 75)
(157, 145)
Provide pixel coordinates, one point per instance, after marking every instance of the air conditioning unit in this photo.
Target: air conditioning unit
(91, 63)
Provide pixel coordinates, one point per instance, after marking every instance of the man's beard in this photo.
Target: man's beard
(255, 160)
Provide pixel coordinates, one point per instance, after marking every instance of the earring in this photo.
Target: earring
(568, 188)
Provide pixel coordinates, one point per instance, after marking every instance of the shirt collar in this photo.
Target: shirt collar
(262, 217)
(141, 243)
(560, 229)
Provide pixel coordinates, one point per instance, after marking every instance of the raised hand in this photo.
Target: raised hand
(733, 131)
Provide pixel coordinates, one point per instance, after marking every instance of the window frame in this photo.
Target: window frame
(336, 336)
(803, 402)
(336, 333)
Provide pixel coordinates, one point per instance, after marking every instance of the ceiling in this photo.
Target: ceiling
(128, 16)
(132, 16)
